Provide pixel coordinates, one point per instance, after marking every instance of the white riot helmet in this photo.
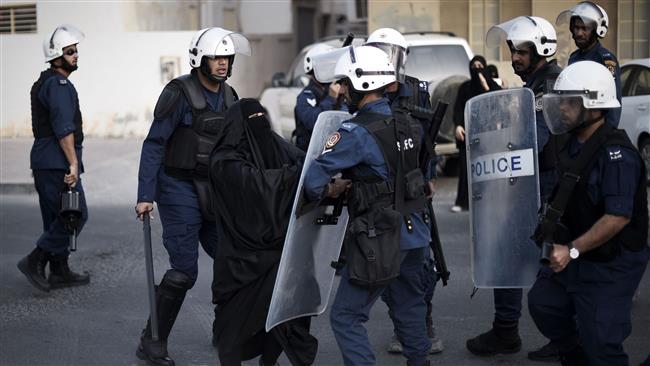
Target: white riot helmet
(394, 44)
(524, 30)
(590, 13)
(217, 42)
(314, 51)
(582, 85)
(63, 36)
(367, 68)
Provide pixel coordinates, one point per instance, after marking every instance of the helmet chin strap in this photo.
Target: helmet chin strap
(586, 122)
(205, 70)
(65, 65)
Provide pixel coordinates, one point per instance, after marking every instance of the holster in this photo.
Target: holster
(206, 199)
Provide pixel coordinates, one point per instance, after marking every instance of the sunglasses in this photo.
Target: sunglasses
(71, 52)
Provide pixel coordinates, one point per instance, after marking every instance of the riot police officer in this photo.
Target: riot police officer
(377, 155)
(55, 160)
(582, 301)
(531, 41)
(315, 98)
(412, 95)
(174, 171)
(588, 22)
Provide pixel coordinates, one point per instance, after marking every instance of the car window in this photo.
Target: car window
(626, 71)
(642, 86)
(436, 62)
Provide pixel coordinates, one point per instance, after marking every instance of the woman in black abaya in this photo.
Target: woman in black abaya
(480, 82)
(254, 175)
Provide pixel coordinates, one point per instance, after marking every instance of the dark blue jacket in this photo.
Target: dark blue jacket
(357, 147)
(59, 97)
(153, 183)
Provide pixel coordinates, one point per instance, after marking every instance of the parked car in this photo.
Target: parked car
(437, 57)
(635, 115)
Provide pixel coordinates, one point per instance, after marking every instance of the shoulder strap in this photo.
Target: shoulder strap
(570, 178)
(229, 95)
(192, 89)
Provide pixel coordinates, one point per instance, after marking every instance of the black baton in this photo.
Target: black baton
(148, 258)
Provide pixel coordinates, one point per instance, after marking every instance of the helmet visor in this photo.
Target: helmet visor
(324, 64)
(563, 112)
(68, 34)
(520, 31)
(586, 11)
(239, 41)
(396, 55)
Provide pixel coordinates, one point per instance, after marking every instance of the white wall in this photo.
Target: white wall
(119, 75)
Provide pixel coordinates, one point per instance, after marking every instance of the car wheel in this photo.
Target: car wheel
(644, 149)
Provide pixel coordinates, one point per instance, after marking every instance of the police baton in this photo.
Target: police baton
(148, 258)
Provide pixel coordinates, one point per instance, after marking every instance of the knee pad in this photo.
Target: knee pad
(176, 282)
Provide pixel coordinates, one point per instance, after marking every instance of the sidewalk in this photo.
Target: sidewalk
(111, 167)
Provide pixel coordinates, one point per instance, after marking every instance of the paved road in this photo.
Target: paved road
(100, 324)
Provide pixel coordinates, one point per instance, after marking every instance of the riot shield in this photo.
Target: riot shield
(313, 242)
(501, 140)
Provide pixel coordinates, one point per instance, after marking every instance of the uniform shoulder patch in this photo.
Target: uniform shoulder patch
(63, 81)
(424, 86)
(332, 140)
(348, 126)
(611, 66)
(615, 154)
(311, 101)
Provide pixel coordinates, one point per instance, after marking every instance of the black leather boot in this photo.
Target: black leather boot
(33, 267)
(61, 275)
(169, 299)
(502, 338)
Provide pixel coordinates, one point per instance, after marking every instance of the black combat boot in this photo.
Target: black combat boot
(575, 357)
(548, 353)
(502, 338)
(169, 299)
(61, 275)
(33, 267)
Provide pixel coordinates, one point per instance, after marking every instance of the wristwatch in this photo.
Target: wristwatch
(573, 252)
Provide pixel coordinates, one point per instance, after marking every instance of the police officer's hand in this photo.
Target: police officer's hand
(559, 257)
(143, 207)
(460, 133)
(337, 187)
(335, 90)
(71, 177)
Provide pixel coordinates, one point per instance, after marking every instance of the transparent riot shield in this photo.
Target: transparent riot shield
(501, 141)
(313, 242)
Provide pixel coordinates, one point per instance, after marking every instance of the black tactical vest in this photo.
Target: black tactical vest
(302, 134)
(405, 187)
(187, 153)
(581, 213)
(41, 124)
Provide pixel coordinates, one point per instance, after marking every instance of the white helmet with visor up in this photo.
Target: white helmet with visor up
(394, 44)
(522, 31)
(63, 36)
(314, 51)
(591, 14)
(368, 68)
(582, 85)
(217, 42)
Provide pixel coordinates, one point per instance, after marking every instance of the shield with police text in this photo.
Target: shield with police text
(501, 141)
(313, 242)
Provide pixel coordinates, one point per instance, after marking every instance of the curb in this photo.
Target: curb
(17, 188)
